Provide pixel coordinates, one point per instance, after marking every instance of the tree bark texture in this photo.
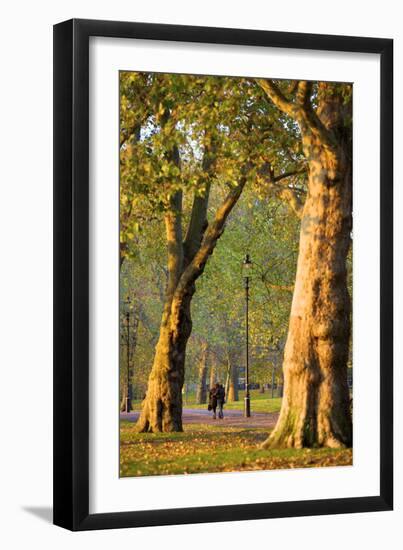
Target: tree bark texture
(315, 407)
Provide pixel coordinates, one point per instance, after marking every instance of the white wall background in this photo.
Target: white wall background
(26, 267)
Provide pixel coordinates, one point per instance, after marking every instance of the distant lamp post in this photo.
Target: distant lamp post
(247, 267)
(128, 404)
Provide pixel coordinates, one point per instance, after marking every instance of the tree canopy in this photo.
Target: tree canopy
(212, 168)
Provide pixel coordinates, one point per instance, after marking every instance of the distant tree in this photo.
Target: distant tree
(201, 392)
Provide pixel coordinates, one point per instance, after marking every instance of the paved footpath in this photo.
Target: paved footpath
(231, 418)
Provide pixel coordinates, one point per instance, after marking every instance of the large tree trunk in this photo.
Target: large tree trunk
(162, 406)
(315, 407)
(201, 392)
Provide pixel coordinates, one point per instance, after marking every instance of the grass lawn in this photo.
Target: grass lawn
(260, 402)
(204, 448)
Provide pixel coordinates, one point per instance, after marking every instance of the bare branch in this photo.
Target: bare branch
(280, 177)
(286, 288)
(292, 195)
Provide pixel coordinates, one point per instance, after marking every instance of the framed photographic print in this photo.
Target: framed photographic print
(223, 274)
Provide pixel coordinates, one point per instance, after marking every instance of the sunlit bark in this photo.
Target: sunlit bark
(315, 408)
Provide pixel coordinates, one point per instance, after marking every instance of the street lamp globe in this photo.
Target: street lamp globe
(247, 267)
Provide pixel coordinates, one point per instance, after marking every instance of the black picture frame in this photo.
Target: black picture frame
(71, 274)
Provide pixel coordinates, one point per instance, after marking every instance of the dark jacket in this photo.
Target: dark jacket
(220, 394)
(213, 398)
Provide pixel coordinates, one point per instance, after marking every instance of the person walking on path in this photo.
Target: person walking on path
(212, 403)
(217, 399)
(220, 394)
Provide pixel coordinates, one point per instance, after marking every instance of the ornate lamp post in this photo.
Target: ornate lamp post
(128, 406)
(247, 274)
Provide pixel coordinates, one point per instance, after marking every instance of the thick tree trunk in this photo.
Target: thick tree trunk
(162, 407)
(201, 392)
(315, 408)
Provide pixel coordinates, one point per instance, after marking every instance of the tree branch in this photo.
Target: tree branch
(173, 227)
(268, 285)
(133, 134)
(294, 200)
(304, 90)
(280, 177)
(286, 288)
(290, 194)
(198, 218)
(292, 87)
(277, 97)
(211, 236)
(301, 111)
